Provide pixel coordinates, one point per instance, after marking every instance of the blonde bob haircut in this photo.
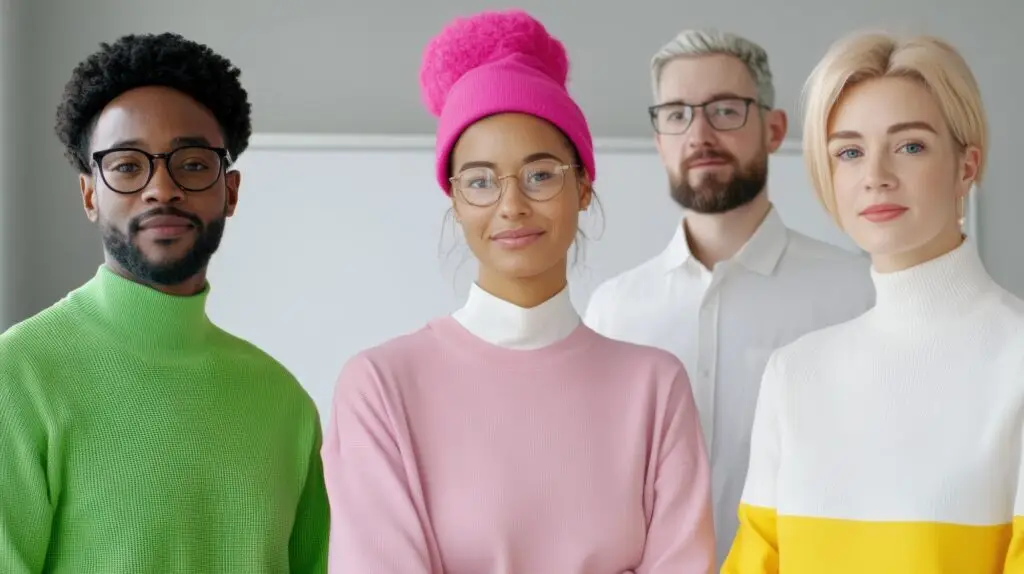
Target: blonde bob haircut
(869, 55)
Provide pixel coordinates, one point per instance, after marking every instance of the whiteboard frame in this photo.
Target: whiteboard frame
(399, 142)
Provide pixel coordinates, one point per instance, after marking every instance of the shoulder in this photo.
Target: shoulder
(627, 281)
(633, 353)
(810, 252)
(1006, 311)
(389, 362)
(276, 377)
(614, 297)
(38, 338)
(638, 364)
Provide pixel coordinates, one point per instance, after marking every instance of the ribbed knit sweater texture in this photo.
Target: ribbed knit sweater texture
(137, 437)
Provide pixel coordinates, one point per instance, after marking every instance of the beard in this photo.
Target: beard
(123, 248)
(715, 195)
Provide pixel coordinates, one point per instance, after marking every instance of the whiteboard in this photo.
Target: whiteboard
(321, 261)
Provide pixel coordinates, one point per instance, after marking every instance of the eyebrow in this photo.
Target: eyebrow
(177, 142)
(893, 129)
(713, 97)
(528, 159)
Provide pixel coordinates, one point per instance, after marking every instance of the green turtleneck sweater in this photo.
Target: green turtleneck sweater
(137, 437)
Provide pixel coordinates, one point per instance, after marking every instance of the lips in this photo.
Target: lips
(162, 221)
(516, 233)
(883, 208)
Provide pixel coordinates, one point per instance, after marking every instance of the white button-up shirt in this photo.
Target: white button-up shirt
(725, 322)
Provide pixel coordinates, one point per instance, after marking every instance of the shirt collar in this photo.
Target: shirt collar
(507, 325)
(760, 254)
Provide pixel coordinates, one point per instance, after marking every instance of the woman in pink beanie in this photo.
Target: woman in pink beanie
(509, 437)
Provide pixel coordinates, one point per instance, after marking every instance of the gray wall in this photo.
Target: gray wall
(330, 66)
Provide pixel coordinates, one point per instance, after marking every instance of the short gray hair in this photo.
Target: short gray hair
(711, 41)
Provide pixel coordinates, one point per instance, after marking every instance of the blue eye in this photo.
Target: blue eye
(848, 153)
(913, 148)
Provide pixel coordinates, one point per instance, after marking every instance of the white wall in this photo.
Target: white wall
(11, 43)
(343, 67)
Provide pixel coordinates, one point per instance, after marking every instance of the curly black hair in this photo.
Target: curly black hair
(138, 60)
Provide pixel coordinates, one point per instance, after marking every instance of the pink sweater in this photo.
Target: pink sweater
(446, 454)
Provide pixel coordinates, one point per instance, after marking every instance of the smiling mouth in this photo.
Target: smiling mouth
(517, 239)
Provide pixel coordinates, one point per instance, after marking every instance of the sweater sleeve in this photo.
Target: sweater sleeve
(681, 534)
(755, 550)
(26, 511)
(375, 524)
(308, 544)
(1014, 563)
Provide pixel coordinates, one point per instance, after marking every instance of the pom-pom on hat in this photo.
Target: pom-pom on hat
(496, 62)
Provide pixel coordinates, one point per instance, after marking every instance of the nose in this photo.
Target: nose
(513, 203)
(879, 175)
(161, 187)
(700, 134)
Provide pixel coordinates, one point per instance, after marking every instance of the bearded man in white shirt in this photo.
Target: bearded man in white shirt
(734, 283)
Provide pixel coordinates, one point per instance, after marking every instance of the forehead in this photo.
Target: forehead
(153, 117)
(874, 105)
(508, 138)
(696, 79)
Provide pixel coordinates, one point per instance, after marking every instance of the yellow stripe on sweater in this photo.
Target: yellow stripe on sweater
(834, 546)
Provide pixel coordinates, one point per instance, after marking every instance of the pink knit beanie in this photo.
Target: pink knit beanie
(496, 62)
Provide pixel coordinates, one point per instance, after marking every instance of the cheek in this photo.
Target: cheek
(845, 188)
(561, 215)
(671, 152)
(112, 207)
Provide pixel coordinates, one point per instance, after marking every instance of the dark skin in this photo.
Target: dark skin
(157, 119)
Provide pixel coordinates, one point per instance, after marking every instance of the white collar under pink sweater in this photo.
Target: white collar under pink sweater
(507, 325)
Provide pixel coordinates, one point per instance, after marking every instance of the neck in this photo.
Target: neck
(949, 285)
(715, 237)
(526, 292)
(191, 286)
(941, 245)
(138, 318)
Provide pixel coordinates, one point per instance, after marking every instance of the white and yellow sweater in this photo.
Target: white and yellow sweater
(891, 443)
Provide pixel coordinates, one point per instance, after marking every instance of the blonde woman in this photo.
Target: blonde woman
(890, 443)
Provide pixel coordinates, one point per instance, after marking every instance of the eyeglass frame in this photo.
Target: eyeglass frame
(222, 153)
(652, 111)
(562, 167)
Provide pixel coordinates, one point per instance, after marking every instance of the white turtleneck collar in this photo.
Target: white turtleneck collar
(944, 286)
(507, 325)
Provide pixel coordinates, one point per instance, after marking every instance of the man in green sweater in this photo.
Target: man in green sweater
(136, 436)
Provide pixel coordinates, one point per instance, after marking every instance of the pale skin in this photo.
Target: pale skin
(528, 275)
(890, 148)
(715, 237)
(157, 119)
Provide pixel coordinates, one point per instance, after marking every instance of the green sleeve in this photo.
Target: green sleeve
(26, 510)
(309, 541)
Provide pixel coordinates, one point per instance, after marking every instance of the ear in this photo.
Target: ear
(455, 205)
(232, 180)
(586, 192)
(88, 188)
(776, 124)
(969, 167)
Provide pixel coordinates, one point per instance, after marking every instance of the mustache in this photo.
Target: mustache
(136, 222)
(708, 153)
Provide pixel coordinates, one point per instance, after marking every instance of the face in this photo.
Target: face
(716, 170)
(163, 231)
(517, 162)
(898, 175)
